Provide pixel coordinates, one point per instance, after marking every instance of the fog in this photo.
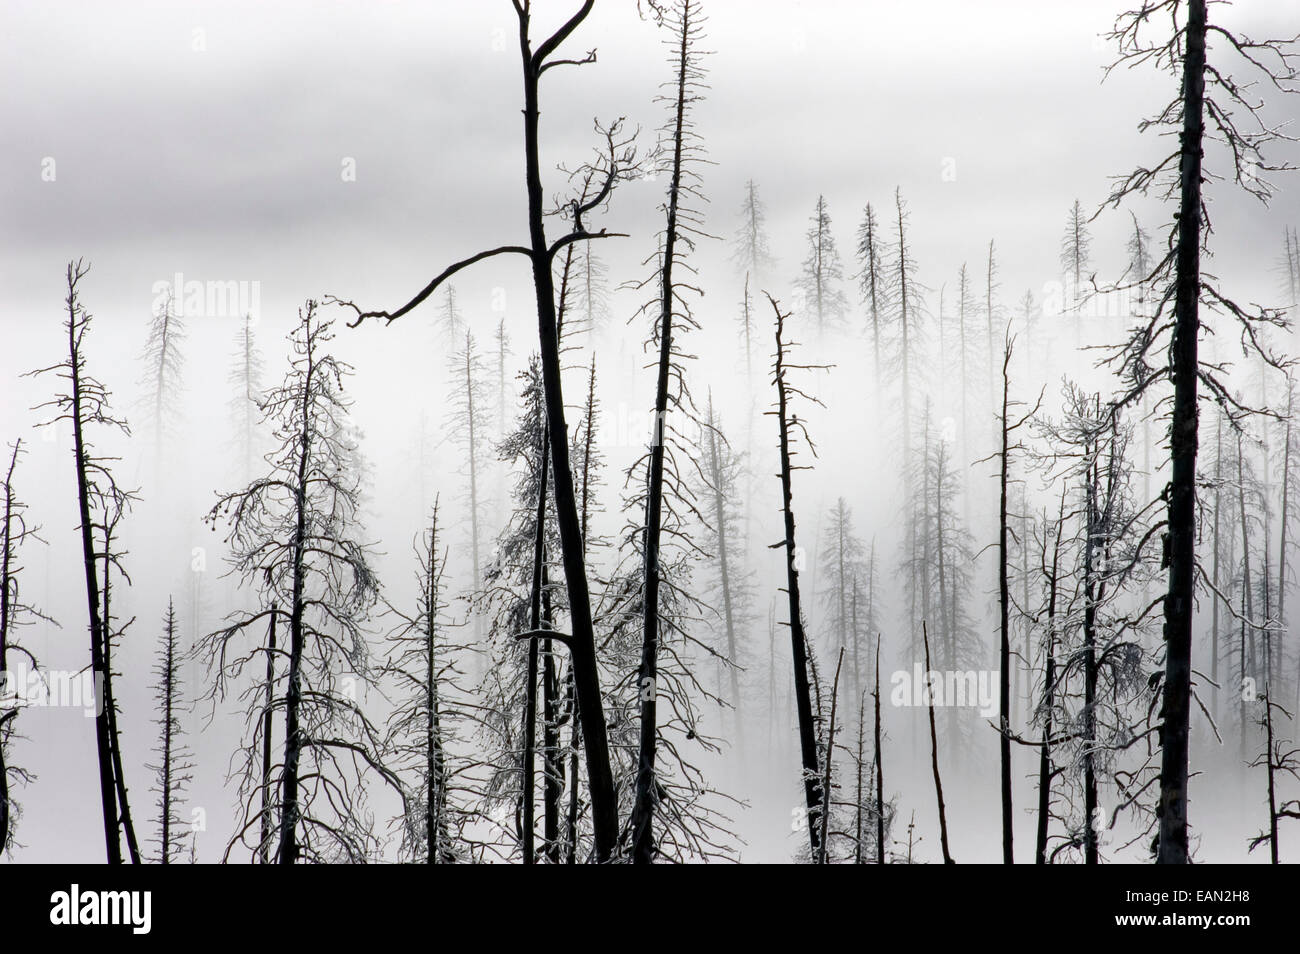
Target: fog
(251, 157)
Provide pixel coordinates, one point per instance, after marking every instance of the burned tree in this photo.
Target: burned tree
(791, 431)
(15, 612)
(822, 273)
(617, 162)
(172, 772)
(683, 21)
(84, 407)
(1210, 106)
(421, 729)
(295, 538)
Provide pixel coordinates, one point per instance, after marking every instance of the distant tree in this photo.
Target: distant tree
(1076, 251)
(164, 365)
(751, 252)
(873, 284)
(470, 406)
(906, 338)
(245, 378)
(589, 310)
(719, 493)
(844, 564)
(819, 280)
(451, 323)
(175, 761)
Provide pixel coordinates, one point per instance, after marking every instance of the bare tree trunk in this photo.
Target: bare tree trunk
(528, 781)
(1175, 710)
(880, 771)
(647, 788)
(934, 755)
(1004, 621)
(264, 848)
(1045, 772)
(813, 792)
(600, 780)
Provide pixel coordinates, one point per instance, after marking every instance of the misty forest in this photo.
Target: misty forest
(781, 432)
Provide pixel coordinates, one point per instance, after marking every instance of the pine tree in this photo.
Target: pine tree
(175, 760)
(819, 281)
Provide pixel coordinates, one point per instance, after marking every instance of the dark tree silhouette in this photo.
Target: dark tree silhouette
(791, 431)
(15, 612)
(1210, 105)
(618, 161)
(85, 407)
(175, 760)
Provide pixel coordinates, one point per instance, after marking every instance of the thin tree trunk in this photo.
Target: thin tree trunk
(264, 848)
(600, 779)
(934, 755)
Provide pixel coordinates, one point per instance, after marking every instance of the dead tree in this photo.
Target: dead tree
(618, 161)
(15, 612)
(84, 407)
(1046, 767)
(469, 400)
(790, 432)
(1007, 429)
(822, 272)
(1209, 105)
(880, 769)
(934, 756)
(1277, 760)
(844, 563)
(872, 283)
(751, 252)
(720, 489)
(245, 378)
(175, 761)
(683, 22)
(904, 293)
(295, 538)
(164, 365)
(421, 730)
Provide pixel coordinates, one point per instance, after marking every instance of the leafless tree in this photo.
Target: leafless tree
(1211, 105)
(295, 538)
(85, 408)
